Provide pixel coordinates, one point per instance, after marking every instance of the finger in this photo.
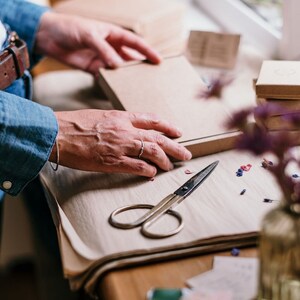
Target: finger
(136, 166)
(169, 147)
(154, 153)
(129, 54)
(151, 121)
(131, 40)
(106, 52)
(151, 152)
(83, 59)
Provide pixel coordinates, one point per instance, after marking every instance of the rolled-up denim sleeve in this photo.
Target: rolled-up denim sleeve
(27, 134)
(24, 18)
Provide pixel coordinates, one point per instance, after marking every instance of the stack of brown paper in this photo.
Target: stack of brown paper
(277, 121)
(172, 90)
(159, 22)
(216, 216)
(279, 80)
(279, 83)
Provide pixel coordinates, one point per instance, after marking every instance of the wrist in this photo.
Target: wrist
(43, 34)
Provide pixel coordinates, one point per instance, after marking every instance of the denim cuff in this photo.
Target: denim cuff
(24, 18)
(27, 134)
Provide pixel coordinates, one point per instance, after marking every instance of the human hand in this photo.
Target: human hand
(110, 141)
(88, 44)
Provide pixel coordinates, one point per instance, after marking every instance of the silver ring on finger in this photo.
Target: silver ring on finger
(142, 149)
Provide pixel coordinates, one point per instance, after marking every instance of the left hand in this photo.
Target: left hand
(88, 44)
(110, 141)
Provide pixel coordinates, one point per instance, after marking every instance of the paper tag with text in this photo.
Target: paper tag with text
(212, 49)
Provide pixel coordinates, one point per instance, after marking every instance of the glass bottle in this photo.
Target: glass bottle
(279, 248)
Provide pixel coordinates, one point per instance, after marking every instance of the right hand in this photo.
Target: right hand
(110, 141)
(89, 44)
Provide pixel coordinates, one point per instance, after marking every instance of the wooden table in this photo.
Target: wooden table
(133, 283)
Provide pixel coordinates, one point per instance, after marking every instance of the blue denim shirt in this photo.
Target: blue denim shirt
(27, 129)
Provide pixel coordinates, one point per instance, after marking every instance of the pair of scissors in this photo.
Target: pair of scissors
(163, 207)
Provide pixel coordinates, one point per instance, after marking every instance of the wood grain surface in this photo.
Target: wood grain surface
(133, 283)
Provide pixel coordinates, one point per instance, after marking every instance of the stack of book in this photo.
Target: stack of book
(279, 83)
(160, 23)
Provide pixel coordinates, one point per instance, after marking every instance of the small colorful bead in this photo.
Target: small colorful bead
(246, 167)
(239, 172)
(235, 251)
(187, 171)
(267, 200)
(243, 192)
(266, 163)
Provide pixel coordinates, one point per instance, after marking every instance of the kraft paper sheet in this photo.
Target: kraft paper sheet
(216, 216)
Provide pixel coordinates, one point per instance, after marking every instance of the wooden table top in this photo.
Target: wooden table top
(133, 283)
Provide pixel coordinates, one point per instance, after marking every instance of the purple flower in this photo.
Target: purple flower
(256, 140)
(239, 120)
(292, 118)
(216, 86)
(264, 111)
(282, 141)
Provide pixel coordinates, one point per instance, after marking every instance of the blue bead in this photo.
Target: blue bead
(235, 251)
(239, 173)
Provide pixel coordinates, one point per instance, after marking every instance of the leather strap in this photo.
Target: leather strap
(14, 60)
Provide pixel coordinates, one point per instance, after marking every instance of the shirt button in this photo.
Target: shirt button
(7, 185)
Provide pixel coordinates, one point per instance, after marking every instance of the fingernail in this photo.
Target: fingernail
(171, 167)
(179, 132)
(188, 155)
(116, 62)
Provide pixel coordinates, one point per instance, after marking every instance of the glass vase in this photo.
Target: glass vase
(279, 276)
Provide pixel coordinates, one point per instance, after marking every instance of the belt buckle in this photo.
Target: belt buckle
(13, 37)
(14, 44)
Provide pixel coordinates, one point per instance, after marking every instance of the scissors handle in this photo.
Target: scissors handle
(146, 220)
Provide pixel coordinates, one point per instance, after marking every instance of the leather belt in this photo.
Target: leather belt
(14, 60)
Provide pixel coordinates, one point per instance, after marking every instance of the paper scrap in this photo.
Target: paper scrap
(208, 295)
(238, 275)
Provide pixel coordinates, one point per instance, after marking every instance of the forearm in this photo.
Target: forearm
(27, 135)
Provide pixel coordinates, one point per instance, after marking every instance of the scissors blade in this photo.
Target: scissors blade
(188, 187)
